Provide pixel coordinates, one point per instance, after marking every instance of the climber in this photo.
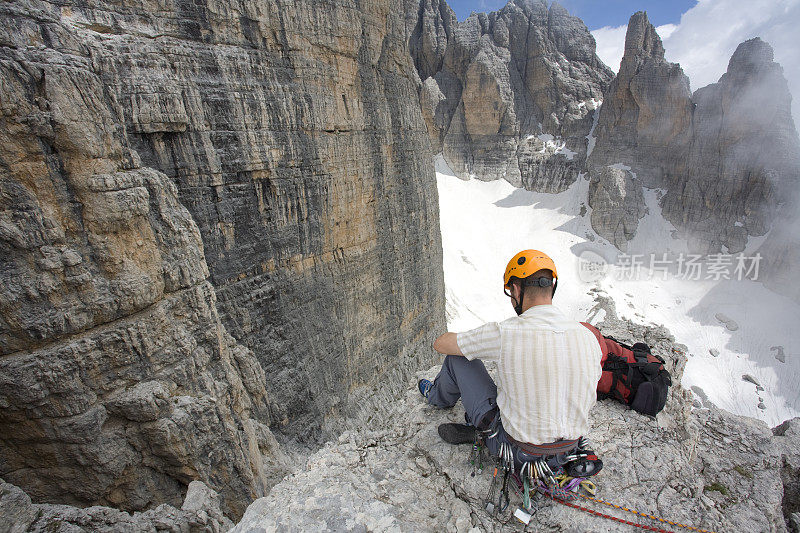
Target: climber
(548, 369)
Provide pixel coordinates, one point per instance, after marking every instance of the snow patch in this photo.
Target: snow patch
(554, 145)
(590, 138)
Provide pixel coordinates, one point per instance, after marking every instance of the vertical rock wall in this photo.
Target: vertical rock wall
(215, 217)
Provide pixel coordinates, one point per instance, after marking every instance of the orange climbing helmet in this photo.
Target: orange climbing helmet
(523, 266)
(527, 262)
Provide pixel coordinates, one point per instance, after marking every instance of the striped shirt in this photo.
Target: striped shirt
(548, 369)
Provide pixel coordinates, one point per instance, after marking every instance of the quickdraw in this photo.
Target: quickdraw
(476, 457)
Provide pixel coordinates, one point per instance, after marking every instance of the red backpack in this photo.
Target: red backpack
(632, 375)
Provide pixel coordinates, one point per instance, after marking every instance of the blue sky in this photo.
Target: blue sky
(595, 14)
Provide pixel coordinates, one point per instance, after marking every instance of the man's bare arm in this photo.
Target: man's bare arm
(446, 344)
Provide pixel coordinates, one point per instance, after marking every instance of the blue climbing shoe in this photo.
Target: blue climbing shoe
(424, 386)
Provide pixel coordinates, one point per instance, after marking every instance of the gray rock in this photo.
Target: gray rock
(645, 120)
(751, 379)
(779, 355)
(714, 352)
(16, 509)
(200, 513)
(434, 25)
(617, 203)
(504, 78)
(739, 197)
(191, 216)
(701, 395)
(780, 264)
(730, 324)
(787, 435)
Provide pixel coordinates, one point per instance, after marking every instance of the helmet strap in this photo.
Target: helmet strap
(518, 307)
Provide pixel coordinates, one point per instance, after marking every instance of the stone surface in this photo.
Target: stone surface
(745, 157)
(119, 383)
(503, 80)
(200, 513)
(727, 155)
(201, 203)
(701, 467)
(645, 120)
(16, 510)
(617, 204)
(645, 124)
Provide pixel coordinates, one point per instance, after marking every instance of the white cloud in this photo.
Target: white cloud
(709, 33)
(610, 45)
(665, 30)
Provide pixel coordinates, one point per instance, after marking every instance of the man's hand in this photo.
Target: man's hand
(446, 344)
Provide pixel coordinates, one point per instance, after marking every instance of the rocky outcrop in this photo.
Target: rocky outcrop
(617, 204)
(780, 252)
(215, 219)
(513, 93)
(727, 155)
(646, 118)
(697, 466)
(200, 512)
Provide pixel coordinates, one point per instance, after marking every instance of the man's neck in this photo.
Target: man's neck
(536, 302)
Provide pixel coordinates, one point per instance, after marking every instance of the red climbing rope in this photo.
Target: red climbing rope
(662, 520)
(603, 515)
(561, 496)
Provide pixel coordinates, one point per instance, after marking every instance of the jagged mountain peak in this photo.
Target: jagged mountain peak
(511, 82)
(751, 52)
(641, 39)
(529, 6)
(721, 185)
(753, 63)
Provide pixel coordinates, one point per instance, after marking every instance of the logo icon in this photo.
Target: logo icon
(591, 266)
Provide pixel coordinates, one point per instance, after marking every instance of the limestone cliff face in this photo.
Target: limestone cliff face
(617, 204)
(119, 383)
(727, 154)
(215, 217)
(511, 95)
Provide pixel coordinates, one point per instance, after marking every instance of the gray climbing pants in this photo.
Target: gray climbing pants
(469, 380)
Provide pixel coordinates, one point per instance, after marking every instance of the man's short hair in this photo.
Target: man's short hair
(536, 290)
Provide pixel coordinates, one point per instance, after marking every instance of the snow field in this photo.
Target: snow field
(747, 326)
